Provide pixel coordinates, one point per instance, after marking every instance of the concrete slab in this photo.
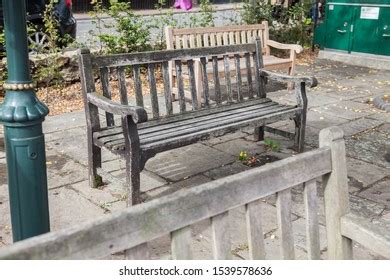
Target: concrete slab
(235, 147)
(346, 109)
(184, 162)
(379, 192)
(226, 170)
(317, 119)
(359, 59)
(359, 125)
(365, 173)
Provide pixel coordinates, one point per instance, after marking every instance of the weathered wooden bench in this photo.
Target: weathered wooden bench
(226, 36)
(138, 138)
(174, 214)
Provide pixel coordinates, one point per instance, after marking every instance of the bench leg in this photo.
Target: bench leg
(94, 162)
(300, 126)
(258, 134)
(133, 160)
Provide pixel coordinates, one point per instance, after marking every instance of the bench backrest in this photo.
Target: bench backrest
(113, 68)
(174, 214)
(200, 37)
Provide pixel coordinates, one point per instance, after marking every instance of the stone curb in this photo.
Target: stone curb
(381, 104)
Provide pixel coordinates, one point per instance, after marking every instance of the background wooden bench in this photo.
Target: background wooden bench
(137, 137)
(174, 214)
(231, 35)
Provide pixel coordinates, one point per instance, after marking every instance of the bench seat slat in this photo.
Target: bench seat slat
(198, 124)
(180, 138)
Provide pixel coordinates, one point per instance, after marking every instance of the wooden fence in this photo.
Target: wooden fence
(174, 214)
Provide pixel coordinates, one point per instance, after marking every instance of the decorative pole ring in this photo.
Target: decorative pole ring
(24, 86)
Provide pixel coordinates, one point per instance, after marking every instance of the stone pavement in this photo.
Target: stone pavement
(340, 99)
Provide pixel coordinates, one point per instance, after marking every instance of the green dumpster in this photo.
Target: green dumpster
(358, 26)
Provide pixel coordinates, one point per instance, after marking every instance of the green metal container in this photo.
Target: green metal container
(359, 26)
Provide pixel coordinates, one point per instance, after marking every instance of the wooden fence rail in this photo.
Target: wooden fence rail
(174, 214)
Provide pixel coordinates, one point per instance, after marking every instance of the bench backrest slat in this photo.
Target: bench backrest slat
(221, 236)
(196, 70)
(312, 224)
(216, 36)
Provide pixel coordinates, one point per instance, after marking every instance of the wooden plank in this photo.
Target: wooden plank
(312, 226)
(139, 99)
(187, 139)
(238, 77)
(190, 115)
(375, 237)
(199, 41)
(249, 74)
(243, 37)
(228, 79)
(116, 60)
(167, 89)
(122, 86)
(231, 38)
(221, 237)
(191, 72)
(206, 40)
(104, 77)
(153, 91)
(192, 41)
(205, 81)
(180, 85)
(178, 43)
(216, 29)
(217, 85)
(259, 64)
(225, 38)
(212, 40)
(255, 230)
(140, 252)
(336, 194)
(184, 39)
(174, 131)
(283, 205)
(126, 229)
(219, 39)
(181, 244)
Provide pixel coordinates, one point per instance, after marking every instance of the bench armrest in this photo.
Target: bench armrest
(310, 81)
(277, 45)
(138, 114)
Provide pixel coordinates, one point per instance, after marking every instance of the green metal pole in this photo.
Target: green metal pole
(22, 115)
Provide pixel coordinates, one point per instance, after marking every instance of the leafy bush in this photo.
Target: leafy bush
(206, 16)
(286, 25)
(160, 21)
(132, 33)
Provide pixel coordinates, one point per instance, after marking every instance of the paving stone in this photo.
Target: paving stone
(227, 137)
(234, 147)
(5, 225)
(299, 229)
(369, 146)
(3, 171)
(346, 109)
(365, 173)
(381, 116)
(64, 122)
(4, 197)
(149, 181)
(173, 187)
(379, 192)
(68, 208)
(63, 171)
(359, 125)
(320, 120)
(61, 134)
(226, 170)
(364, 207)
(184, 162)
(315, 100)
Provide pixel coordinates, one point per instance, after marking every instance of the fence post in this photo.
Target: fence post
(336, 194)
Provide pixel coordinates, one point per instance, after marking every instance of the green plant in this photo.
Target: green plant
(243, 156)
(97, 19)
(206, 16)
(49, 58)
(132, 33)
(160, 21)
(256, 11)
(272, 144)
